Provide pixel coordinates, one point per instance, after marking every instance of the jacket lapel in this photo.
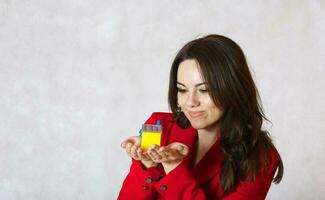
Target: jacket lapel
(209, 165)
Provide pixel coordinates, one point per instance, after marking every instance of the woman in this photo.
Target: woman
(213, 145)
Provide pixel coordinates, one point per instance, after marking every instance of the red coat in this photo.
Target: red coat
(186, 182)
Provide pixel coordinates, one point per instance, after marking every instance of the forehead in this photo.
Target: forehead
(189, 72)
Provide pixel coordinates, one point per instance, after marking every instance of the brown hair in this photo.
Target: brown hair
(244, 144)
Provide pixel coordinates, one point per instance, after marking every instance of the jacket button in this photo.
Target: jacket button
(145, 187)
(149, 180)
(163, 187)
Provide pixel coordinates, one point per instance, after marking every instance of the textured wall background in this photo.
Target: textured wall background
(77, 77)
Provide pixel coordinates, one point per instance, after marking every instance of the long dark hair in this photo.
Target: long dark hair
(246, 147)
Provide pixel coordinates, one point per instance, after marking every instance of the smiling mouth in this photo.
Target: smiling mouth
(196, 114)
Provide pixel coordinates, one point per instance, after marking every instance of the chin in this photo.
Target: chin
(202, 124)
(197, 125)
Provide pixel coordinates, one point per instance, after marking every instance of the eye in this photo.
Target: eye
(180, 90)
(203, 91)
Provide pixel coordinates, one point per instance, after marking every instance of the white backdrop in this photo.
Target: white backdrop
(76, 77)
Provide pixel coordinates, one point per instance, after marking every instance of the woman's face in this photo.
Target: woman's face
(193, 97)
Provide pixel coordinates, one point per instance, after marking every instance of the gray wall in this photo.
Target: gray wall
(77, 77)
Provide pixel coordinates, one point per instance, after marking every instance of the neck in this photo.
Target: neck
(209, 134)
(206, 138)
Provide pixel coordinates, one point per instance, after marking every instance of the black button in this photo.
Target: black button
(163, 187)
(145, 187)
(149, 180)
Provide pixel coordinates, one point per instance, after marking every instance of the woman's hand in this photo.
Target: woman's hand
(133, 149)
(170, 156)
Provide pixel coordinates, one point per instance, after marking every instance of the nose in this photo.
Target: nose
(192, 100)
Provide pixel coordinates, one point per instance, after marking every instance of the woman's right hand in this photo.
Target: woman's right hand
(132, 146)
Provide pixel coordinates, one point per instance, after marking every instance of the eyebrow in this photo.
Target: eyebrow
(197, 85)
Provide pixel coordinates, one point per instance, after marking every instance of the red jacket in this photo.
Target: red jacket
(185, 182)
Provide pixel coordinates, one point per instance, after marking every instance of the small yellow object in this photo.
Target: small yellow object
(151, 134)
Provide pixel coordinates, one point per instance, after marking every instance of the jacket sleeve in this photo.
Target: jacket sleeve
(138, 184)
(179, 184)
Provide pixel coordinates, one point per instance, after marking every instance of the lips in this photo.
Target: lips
(195, 114)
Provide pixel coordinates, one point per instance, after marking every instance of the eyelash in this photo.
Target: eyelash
(203, 91)
(200, 90)
(181, 90)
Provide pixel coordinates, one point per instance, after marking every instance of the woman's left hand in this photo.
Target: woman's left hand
(170, 156)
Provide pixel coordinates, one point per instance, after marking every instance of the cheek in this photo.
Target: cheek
(216, 114)
(215, 111)
(180, 100)
(207, 101)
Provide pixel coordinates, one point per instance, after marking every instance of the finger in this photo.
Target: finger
(128, 148)
(151, 157)
(124, 143)
(172, 155)
(154, 155)
(164, 152)
(141, 155)
(180, 147)
(136, 140)
(168, 151)
(185, 151)
(134, 151)
(139, 151)
(164, 149)
(154, 146)
(153, 150)
(164, 157)
(145, 156)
